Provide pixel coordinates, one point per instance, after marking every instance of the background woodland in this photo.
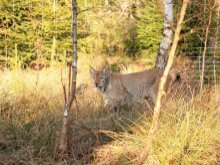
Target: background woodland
(37, 32)
(35, 47)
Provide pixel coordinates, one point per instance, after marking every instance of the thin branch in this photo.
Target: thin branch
(69, 76)
(77, 108)
(153, 128)
(188, 34)
(205, 47)
(64, 88)
(195, 16)
(64, 148)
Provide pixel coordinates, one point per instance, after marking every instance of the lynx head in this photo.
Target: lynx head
(100, 78)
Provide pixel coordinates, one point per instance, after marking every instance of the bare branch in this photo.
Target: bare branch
(69, 76)
(153, 128)
(64, 88)
(205, 44)
(64, 146)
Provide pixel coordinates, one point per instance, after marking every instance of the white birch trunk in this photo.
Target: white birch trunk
(157, 108)
(166, 41)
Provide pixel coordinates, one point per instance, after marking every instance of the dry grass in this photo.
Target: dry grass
(188, 134)
(31, 104)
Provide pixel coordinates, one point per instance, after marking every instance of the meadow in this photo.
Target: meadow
(31, 109)
(35, 46)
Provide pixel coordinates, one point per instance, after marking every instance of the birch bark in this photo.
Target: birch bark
(143, 156)
(166, 41)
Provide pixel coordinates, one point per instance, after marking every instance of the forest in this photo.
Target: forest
(44, 75)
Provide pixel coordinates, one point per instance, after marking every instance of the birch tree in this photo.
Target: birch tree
(166, 41)
(143, 156)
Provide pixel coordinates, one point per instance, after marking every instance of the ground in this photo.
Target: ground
(31, 108)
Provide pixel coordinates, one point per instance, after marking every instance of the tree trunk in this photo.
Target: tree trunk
(210, 8)
(74, 64)
(64, 148)
(166, 41)
(143, 156)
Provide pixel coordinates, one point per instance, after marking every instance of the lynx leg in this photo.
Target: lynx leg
(115, 114)
(116, 111)
(153, 95)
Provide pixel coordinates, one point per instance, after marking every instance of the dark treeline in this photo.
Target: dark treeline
(39, 31)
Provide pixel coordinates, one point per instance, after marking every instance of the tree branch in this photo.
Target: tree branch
(154, 124)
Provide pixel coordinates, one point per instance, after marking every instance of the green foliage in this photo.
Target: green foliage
(40, 31)
(149, 26)
(34, 27)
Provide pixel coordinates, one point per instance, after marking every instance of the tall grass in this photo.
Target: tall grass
(188, 134)
(31, 107)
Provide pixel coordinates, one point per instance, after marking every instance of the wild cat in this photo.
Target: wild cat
(125, 89)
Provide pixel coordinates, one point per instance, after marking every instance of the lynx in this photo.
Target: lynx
(125, 89)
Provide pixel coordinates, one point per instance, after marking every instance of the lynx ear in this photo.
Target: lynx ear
(106, 70)
(92, 70)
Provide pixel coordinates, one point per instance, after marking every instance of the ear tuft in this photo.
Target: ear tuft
(105, 70)
(92, 70)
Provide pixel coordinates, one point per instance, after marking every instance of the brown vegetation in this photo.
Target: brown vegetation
(31, 104)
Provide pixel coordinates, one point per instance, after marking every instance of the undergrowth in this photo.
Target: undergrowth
(31, 108)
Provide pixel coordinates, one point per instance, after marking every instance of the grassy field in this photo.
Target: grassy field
(31, 108)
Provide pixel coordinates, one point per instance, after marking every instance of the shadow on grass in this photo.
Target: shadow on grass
(98, 126)
(30, 125)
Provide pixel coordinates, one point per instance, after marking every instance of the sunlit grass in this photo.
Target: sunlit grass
(188, 133)
(31, 108)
